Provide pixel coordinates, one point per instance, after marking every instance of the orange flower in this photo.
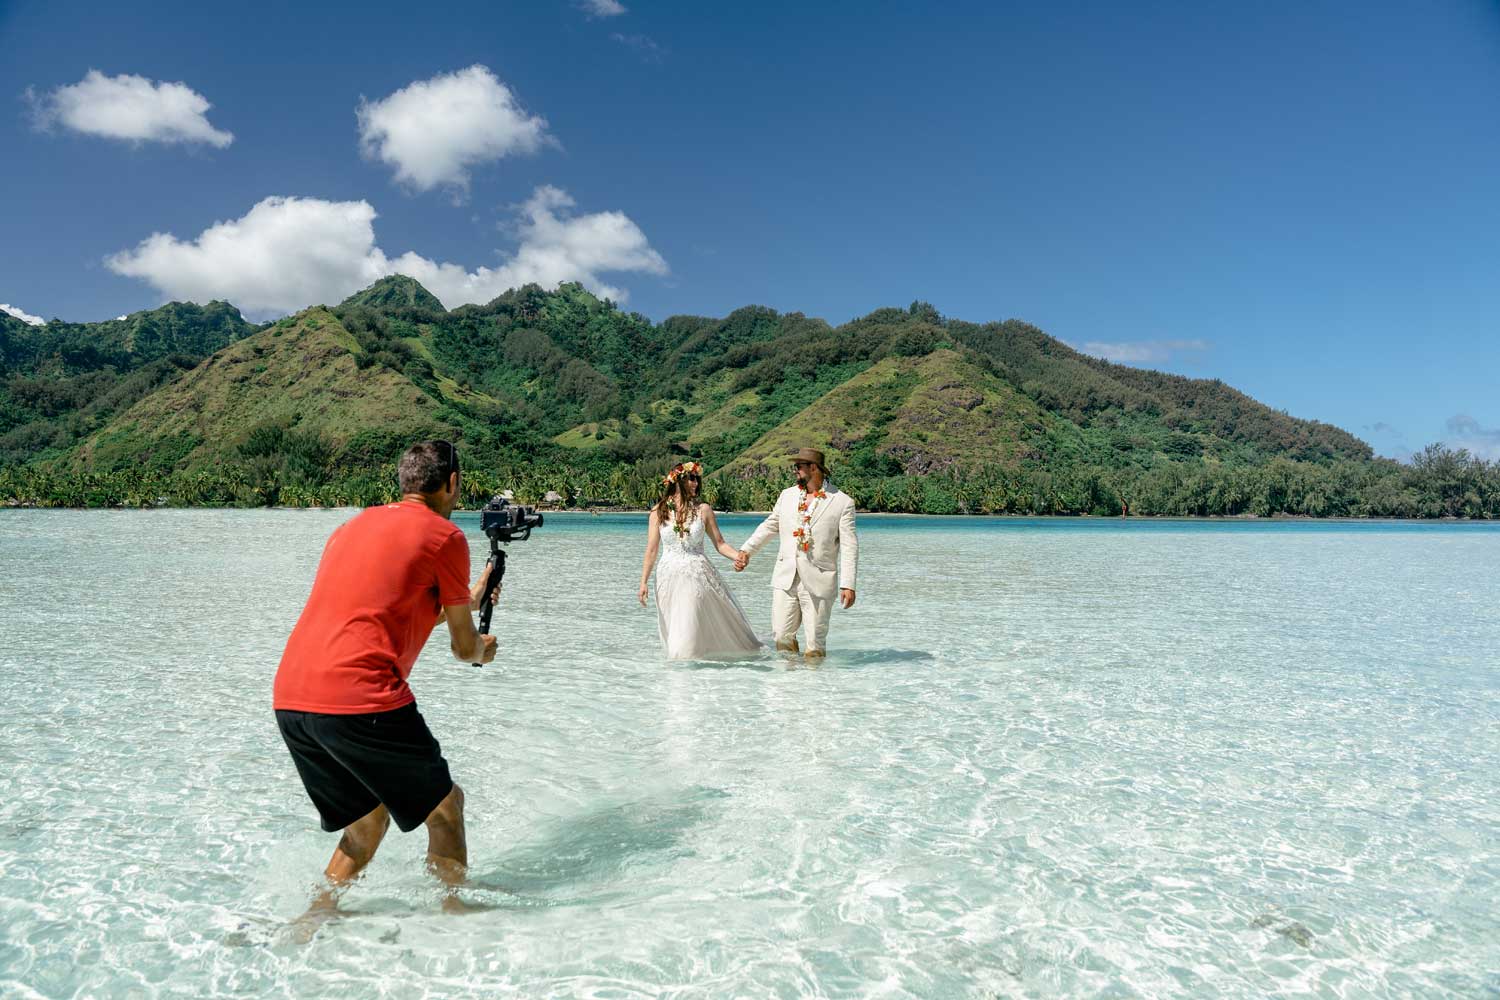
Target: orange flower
(682, 469)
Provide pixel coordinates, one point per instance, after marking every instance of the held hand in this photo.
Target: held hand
(642, 595)
(486, 648)
(741, 560)
(474, 592)
(846, 598)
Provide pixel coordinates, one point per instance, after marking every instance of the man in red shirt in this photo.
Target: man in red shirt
(363, 751)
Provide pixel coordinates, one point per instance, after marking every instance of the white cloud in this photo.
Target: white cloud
(286, 253)
(433, 131)
(131, 108)
(1140, 351)
(644, 46)
(283, 254)
(603, 8)
(554, 247)
(22, 315)
(1479, 440)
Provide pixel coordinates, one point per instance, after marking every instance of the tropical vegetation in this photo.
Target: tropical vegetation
(562, 392)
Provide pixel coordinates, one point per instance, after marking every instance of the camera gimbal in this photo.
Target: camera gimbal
(503, 522)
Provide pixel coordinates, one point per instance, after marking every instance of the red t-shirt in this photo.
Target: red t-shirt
(383, 579)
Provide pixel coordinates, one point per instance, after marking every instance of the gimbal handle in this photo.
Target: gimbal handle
(492, 579)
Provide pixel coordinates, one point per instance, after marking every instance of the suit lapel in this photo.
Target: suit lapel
(823, 507)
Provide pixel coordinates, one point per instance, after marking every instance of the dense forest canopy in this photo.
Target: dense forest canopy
(562, 391)
(62, 381)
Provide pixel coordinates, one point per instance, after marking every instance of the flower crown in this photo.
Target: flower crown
(683, 469)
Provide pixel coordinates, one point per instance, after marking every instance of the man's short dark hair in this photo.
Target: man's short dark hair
(426, 466)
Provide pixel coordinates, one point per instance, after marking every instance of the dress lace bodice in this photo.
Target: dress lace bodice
(689, 543)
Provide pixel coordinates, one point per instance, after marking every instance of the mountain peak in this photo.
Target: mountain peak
(395, 291)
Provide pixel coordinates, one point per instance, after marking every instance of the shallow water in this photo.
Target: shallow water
(1045, 758)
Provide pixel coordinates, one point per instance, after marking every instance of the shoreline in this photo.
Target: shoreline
(1038, 517)
(581, 512)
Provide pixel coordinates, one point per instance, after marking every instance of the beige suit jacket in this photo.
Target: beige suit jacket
(834, 558)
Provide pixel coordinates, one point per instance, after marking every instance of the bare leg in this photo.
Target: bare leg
(356, 847)
(447, 848)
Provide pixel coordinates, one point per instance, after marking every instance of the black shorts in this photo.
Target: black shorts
(351, 763)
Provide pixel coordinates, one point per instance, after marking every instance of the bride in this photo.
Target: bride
(698, 616)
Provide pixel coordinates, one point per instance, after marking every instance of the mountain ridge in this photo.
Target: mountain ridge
(917, 410)
(61, 381)
(552, 356)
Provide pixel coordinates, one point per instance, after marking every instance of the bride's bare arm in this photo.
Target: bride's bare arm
(711, 525)
(653, 542)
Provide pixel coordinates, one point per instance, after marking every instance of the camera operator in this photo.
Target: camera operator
(362, 749)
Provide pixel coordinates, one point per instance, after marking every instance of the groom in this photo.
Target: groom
(818, 547)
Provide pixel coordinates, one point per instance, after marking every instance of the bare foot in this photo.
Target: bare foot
(302, 930)
(454, 905)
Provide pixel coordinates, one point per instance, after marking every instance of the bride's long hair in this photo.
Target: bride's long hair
(676, 501)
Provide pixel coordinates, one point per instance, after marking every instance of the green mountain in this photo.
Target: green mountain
(303, 396)
(563, 390)
(907, 415)
(61, 381)
(1093, 393)
(395, 292)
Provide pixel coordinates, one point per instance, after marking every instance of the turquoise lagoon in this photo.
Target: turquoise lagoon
(1046, 758)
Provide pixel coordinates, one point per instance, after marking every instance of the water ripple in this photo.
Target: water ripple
(1043, 759)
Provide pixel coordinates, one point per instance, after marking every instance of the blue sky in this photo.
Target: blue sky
(1302, 199)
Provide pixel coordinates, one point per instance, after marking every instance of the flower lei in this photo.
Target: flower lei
(805, 506)
(678, 471)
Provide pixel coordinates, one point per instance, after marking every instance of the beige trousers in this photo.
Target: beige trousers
(790, 609)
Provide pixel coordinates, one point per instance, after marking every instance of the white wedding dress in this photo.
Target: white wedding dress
(698, 616)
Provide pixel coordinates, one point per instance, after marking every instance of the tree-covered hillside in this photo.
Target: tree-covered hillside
(62, 381)
(563, 391)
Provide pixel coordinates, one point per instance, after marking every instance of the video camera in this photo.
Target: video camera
(502, 521)
(508, 522)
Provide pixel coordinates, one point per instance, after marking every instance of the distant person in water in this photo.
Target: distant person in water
(697, 616)
(364, 753)
(818, 557)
